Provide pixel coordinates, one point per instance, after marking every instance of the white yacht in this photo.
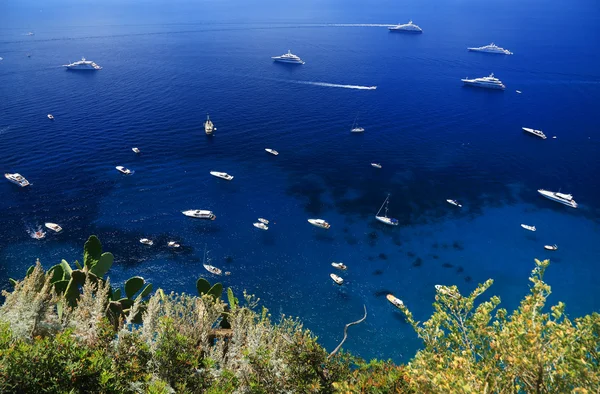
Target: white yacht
(376, 165)
(551, 247)
(53, 226)
(200, 214)
(17, 179)
(50, 116)
(385, 219)
(147, 241)
(261, 226)
(490, 82)
(124, 170)
(83, 65)
(409, 27)
(212, 269)
(395, 301)
(355, 128)
(527, 227)
(319, 223)
(566, 199)
(209, 127)
(222, 175)
(340, 266)
(491, 48)
(173, 244)
(454, 202)
(135, 150)
(537, 133)
(288, 58)
(272, 151)
(336, 279)
(264, 221)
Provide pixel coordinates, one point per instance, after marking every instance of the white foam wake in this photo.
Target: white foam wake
(358, 25)
(335, 85)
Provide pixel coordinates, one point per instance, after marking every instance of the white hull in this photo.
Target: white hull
(537, 133)
(476, 84)
(357, 130)
(288, 61)
(135, 150)
(527, 227)
(553, 196)
(336, 279)
(261, 226)
(319, 223)
(550, 247)
(146, 241)
(200, 214)
(339, 266)
(50, 116)
(454, 202)
(491, 51)
(409, 27)
(264, 221)
(222, 175)
(376, 165)
(173, 244)
(124, 170)
(17, 179)
(83, 65)
(395, 301)
(54, 227)
(272, 151)
(386, 220)
(212, 269)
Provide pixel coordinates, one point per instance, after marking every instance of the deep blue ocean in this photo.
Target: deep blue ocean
(167, 64)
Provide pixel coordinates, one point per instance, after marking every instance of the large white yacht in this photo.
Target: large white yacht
(288, 58)
(537, 133)
(491, 48)
(566, 199)
(17, 179)
(200, 214)
(409, 27)
(222, 175)
(490, 82)
(83, 65)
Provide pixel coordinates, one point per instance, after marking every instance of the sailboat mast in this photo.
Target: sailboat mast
(386, 199)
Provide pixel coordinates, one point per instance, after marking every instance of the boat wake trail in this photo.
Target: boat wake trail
(358, 25)
(335, 85)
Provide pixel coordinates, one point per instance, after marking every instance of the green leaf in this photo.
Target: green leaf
(133, 285)
(233, 302)
(203, 286)
(78, 265)
(216, 291)
(61, 286)
(103, 265)
(126, 303)
(115, 295)
(12, 281)
(59, 309)
(78, 277)
(30, 270)
(57, 273)
(66, 268)
(72, 292)
(145, 292)
(91, 251)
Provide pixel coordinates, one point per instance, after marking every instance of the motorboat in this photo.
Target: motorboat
(385, 219)
(527, 227)
(261, 226)
(566, 199)
(338, 280)
(491, 48)
(537, 133)
(210, 268)
(319, 223)
(454, 202)
(489, 82)
(39, 234)
(551, 247)
(173, 244)
(147, 241)
(135, 150)
(272, 151)
(222, 175)
(53, 226)
(50, 116)
(200, 214)
(265, 221)
(518, 91)
(124, 170)
(209, 127)
(17, 179)
(395, 301)
(289, 57)
(83, 65)
(409, 27)
(376, 165)
(355, 128)
(340, 266)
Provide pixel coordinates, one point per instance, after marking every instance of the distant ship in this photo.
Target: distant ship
(209, 127)
(83, 65)
(490, 82)
(31, 33)
(288, 58)
(537, 133)
(409, 27)
(566, 199)
(492, 48)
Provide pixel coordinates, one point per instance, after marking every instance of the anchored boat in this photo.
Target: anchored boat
(385, 219)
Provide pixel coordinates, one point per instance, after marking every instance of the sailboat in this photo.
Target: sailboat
(385, 219)
(210, 268)
(355, 128)
(209, 127)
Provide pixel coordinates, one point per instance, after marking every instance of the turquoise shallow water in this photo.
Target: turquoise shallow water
(164, 68)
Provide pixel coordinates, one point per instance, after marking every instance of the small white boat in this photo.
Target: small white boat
(209, 127)
(537, 133)
(200, 214)
(173, 244)
(518, 91)
(336, 279)
(355, 128)
(17, 179)
(50, 116)
(409, 27)
(53, 226)
(551, 247)
(265, 221)
(454, 202)
(376, 165)
(147, 241)
(340, 266)
(212, 269)
(319, 223)
(124, 170)
(135, 150)
(222, 175)
(261, 226)
(395, 301)
(385, 219)
(272, 151)
(527, 227)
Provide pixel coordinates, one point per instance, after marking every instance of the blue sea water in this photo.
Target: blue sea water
(166, 65)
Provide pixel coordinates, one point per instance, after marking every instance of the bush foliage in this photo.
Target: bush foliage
(201, 344)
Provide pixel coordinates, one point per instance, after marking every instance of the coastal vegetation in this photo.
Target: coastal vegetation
(68, 330)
